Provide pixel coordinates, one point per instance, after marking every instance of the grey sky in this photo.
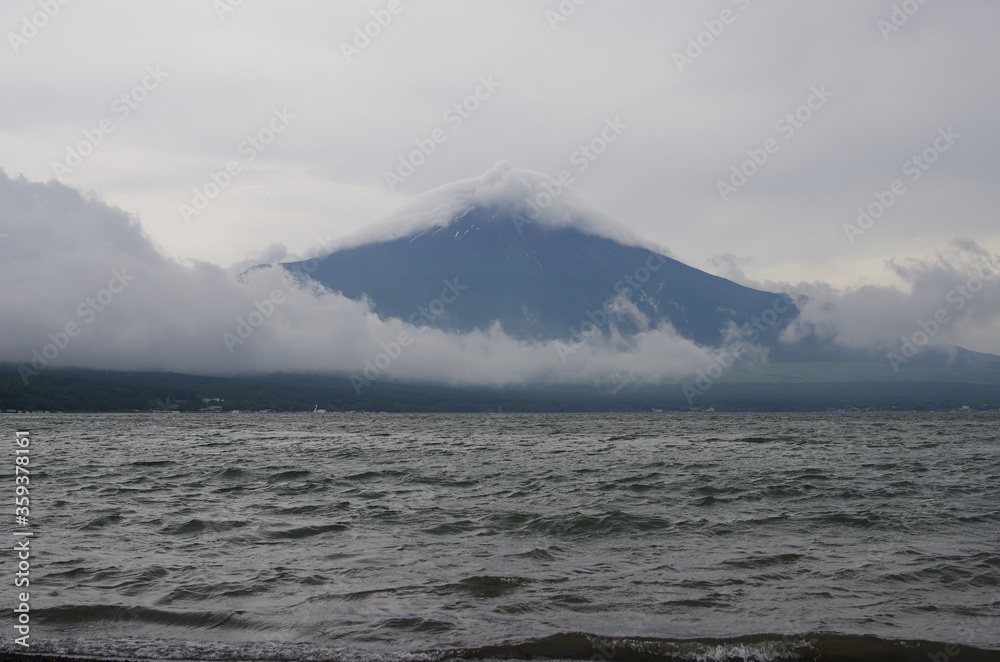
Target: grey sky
(223, 77)
(308, 129)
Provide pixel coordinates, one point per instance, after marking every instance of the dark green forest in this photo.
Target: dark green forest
(73, 390)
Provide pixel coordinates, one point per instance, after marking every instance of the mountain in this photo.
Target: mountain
(492, 254)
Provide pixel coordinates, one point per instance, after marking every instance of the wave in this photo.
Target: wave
(107, 614)
(579, 525)
(756, 648)
(578, 646)
(288, 476)
(298, 532)
(195, 526)
(820, 647)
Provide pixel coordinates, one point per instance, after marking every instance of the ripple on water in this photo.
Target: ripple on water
(454, 533)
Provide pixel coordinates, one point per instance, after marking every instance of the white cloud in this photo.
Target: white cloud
(324, 177)
(502, 186)
(322, 184)
(92, 267)
(960, 284)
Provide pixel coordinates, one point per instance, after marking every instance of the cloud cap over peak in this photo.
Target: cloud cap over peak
(521, 196)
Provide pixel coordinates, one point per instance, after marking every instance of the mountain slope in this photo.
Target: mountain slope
(539, 280)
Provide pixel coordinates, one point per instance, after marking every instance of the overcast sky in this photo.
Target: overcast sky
(353, 111)
(822, 106)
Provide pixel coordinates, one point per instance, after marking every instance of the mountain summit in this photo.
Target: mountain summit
(519, 249)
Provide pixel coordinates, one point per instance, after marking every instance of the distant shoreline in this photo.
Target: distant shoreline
(792, 388)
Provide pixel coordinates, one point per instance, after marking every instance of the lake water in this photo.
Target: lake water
(428, 537)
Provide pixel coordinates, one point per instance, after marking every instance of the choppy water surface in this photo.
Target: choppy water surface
(611, 537)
